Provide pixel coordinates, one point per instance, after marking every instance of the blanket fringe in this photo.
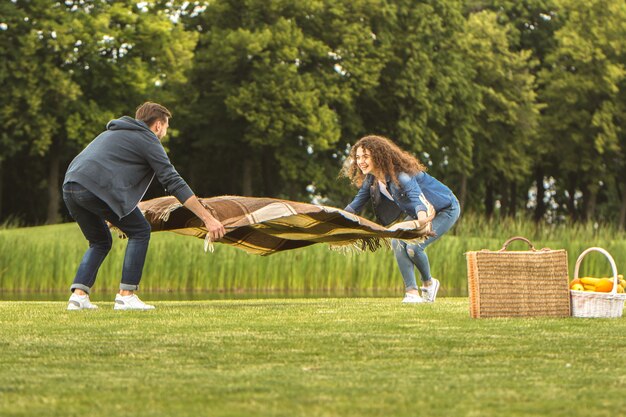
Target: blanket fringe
(208, 244)
(120, 234)
(345, 249)
(165, 216)
(371, 244)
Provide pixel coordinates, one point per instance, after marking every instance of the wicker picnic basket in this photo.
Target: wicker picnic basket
(597, 304)
(518, 283)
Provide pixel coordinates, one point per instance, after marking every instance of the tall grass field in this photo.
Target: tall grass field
(44, 259)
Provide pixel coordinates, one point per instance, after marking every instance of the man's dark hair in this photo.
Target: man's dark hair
(150, 112)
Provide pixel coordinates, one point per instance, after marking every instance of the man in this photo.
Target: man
(106, 181)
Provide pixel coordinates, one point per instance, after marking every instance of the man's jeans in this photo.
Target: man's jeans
(410, 255)
(90, 213)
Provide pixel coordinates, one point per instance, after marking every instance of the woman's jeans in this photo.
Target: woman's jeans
(409, 255)
(90, 213)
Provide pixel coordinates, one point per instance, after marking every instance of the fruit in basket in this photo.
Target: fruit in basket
(574, 282)
(604, 285)
(590, 281)
(598, 284)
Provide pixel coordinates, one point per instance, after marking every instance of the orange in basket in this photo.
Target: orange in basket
(605, 285)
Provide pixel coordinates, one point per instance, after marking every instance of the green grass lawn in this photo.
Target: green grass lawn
(305, 357)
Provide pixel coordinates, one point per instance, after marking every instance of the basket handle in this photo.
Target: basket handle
(609, 257)
(508, 242)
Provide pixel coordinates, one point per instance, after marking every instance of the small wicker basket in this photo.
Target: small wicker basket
(597, 304)
(528, 283)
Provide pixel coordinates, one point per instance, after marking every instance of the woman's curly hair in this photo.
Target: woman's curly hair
(388, 159)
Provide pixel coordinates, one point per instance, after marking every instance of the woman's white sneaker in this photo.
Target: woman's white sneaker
(429, 294)
(80, 302)
(130, 302)
(410, 298)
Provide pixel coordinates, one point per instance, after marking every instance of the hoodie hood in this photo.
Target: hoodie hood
(127, 123)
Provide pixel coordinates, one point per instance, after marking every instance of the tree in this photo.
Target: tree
(584, 94)
(503, 141)
(425, 99)
(274, 90)
(531, 25)
(74, 65)
(34, 89)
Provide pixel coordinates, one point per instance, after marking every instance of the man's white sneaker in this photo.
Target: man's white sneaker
(430, 293)
(80, 302)
(410, 298)
(130, 302)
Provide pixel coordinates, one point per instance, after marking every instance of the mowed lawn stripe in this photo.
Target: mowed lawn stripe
(308, 357)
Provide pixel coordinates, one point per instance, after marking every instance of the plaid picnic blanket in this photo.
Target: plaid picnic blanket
(265, 226)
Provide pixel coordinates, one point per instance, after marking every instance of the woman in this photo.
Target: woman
(399, 187)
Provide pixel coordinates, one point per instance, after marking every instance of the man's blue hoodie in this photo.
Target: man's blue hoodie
(119, 165)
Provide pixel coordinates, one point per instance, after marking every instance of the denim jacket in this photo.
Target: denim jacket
(406, 196)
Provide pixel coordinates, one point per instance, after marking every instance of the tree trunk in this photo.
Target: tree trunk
(590, 196)
(622, 211)
(540, 208)
(513, 199)
(270, 173)
(504, 198)
(292, 190)
(1, 190)
(463, 192)
(489, 201)
(53, 186)
(571, 207)
(246, 181)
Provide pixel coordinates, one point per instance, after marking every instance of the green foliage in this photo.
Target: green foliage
(425, 99)
(503, 139)
(583, 93)
(31, 78)
(495, 96)
(71, 66)
(279, 77)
